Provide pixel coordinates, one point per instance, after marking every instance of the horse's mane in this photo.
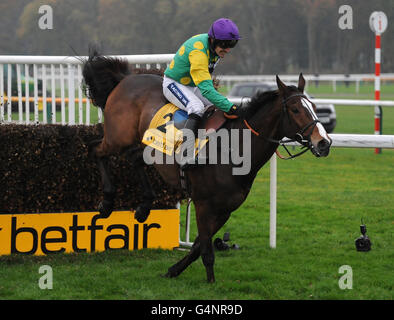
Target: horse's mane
(159, 72)
(101, 75)
(261, 100)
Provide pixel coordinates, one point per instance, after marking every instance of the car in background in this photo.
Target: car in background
(325, 112)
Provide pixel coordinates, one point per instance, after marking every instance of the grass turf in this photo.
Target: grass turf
(320, 204)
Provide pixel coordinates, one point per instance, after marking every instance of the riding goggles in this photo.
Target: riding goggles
(225, 44)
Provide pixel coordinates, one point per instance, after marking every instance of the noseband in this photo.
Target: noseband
(300, 136)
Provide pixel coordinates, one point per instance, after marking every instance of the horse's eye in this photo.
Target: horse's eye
(295, 110)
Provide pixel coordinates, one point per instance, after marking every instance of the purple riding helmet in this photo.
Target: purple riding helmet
(225, 33)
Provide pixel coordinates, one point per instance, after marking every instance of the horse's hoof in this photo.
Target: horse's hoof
(212, 280)
(105, 209)
(170, 274)
(142, 213)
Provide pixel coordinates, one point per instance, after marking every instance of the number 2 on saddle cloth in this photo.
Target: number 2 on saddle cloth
(164, 133)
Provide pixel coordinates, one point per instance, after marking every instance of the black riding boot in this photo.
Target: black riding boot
(191, 124)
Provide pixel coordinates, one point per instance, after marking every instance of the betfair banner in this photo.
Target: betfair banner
(45, 233)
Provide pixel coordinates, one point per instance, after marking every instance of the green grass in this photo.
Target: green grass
(320, 206)
(366, 90)
(356, 119)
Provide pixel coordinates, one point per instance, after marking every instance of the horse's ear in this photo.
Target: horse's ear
(301, 83)
(281, 86)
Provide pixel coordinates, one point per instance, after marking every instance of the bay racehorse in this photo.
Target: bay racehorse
(129, 102)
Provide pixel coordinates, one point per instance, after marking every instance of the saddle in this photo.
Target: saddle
(164, 132)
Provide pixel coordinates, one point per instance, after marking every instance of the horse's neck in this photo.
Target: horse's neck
(267, 124)
(266, 121)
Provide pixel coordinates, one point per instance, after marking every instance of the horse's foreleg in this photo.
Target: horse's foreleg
(148, 196)
(105, 207)
(208, 224)
(143, 210)
(207, 227)
(208, 256)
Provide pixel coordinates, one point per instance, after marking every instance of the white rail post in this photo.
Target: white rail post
(44, 94)
(35, 93)
(187, 242)
(19, 88)
(87, 110)
(189, 202)
(71, 94)
(273, 173)
(80, 103)
(62, 95)
(9, 92)
(27, 95)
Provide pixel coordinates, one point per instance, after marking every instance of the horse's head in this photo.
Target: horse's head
(301, 122)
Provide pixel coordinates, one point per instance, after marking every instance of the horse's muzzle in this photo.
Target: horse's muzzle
(322, 149)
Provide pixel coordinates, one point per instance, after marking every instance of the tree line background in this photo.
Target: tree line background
(278, 36)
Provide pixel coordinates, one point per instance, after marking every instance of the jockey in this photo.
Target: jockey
(187, 80)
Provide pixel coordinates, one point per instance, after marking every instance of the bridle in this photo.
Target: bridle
(300, 136)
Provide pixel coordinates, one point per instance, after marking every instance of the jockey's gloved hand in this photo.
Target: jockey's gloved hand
(235, 112)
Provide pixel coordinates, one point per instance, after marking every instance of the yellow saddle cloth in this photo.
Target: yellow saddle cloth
(164, 136)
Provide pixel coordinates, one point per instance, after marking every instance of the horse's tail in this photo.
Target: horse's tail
(101, 75)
